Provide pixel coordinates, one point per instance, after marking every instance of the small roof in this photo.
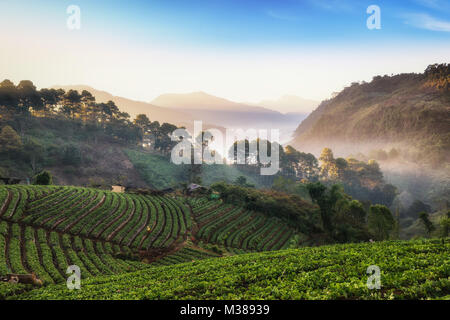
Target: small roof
(194, 186)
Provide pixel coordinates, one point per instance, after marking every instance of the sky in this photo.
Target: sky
(239, 50)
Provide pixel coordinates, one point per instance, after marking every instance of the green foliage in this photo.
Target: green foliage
(438, 76)
(156, 170)
(314, 273)
(44, 179)
(290, 208)
(71, 155)
(423, 216)
(445, 224)
(380, 222)
(342, 218)
(10, 141)
(242, 181)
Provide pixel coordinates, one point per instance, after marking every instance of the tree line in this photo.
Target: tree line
(22, 102)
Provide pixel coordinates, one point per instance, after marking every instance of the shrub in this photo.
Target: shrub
(44, 178)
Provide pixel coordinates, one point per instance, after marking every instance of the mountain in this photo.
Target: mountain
(133, 107)
(208, 108)
(408, 111)
(290, 104)
(215, 112)
(203, 101)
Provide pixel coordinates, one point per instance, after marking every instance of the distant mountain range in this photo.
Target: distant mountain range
(132, 107)
(410, 111)
(211, 109)
(183, 109)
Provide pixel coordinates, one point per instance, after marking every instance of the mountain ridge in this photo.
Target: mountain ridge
(406, 109)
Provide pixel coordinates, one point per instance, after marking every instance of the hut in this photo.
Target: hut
(118, 188)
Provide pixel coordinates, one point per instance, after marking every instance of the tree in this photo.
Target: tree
(341, 168)
(283, 184)
(163, 137)
(8, 96)
(328, 168)
(319, 195)
(242, 181)
(50, 99)
(9, 140)
(88, 109)
(72, 101)
(380, 221)
(28, 97)
(357, 212)
(423, 216)
(445, 224)
(298, 164)
(44, 178)
(143, 122)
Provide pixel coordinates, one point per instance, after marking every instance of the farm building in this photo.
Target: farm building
(118, 189)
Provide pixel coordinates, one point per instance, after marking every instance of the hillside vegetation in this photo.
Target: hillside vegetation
(44, 229)
(407, 110)
(409, 270)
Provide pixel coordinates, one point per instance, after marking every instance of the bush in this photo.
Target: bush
(44, 179)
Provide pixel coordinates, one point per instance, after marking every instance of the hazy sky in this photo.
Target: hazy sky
(236, 49)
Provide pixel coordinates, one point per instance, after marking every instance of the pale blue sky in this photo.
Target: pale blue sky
(241, 50)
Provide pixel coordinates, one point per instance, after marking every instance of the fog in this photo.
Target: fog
(414, 180)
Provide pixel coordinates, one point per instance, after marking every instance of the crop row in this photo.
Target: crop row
(24, 249)
(233, 227)
(409, 270)
(136, 221)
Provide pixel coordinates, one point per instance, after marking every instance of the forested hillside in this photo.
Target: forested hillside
(410, 112)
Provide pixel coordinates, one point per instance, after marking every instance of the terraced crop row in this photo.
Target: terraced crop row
(236, 228)
(139, 222)
(45, 229)
(24, 249)
(410, 270)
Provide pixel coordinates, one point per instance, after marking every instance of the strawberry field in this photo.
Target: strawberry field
(409, 270)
